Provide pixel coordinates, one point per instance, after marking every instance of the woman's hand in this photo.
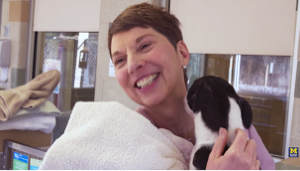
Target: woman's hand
(241, 154)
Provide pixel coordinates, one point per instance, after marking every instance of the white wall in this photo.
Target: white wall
(262, 27)
(67, 15)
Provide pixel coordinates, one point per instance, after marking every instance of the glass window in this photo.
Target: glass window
(75, 56)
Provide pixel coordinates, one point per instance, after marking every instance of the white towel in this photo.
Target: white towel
(108, 135)
(44, 123)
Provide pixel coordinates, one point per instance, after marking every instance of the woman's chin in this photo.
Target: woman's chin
(152, 101)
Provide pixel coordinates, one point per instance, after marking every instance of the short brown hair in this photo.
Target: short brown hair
(146, 15)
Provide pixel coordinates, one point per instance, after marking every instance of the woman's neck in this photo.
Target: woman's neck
(174, 117)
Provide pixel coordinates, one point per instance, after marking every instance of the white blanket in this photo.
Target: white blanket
(45, 123)
(108, 135)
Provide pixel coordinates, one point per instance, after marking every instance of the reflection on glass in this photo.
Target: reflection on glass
(266, 75)
(263, 81)
(89, 73)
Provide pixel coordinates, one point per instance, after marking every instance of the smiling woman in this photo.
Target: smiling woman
(146, 63)
(150, 57)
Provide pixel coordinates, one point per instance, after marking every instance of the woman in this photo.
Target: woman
(147, 49)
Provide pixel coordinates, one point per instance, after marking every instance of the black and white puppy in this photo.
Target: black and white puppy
(215, 104)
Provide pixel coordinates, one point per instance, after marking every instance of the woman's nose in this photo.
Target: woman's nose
(134, 63)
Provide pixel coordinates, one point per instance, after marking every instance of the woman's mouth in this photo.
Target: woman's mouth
(146, 81)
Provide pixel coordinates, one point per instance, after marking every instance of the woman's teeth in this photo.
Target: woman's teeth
(146, 81)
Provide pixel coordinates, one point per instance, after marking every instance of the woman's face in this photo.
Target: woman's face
(148, 67)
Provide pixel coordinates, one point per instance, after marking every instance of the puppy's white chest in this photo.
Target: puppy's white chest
(205, 135)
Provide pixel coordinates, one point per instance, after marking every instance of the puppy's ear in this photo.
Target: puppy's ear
(246, 112)
(202, 96)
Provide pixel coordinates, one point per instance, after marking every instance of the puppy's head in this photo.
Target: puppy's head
(199, 94)
(209, 90)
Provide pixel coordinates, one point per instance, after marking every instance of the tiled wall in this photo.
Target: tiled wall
(108, 88)
(15, 13)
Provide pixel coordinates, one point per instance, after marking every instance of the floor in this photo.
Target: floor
(284, 166)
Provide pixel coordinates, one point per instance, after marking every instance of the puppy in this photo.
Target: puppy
(215, 104)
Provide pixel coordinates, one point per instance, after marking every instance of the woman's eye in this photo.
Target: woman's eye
(119, 61)
(145, 46)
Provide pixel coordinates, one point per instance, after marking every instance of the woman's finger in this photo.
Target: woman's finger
(257, 166)
(250, 152)
(240, 140)
(220, 144)
(250, 148)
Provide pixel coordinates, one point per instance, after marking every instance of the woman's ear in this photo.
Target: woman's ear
(183, 53)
